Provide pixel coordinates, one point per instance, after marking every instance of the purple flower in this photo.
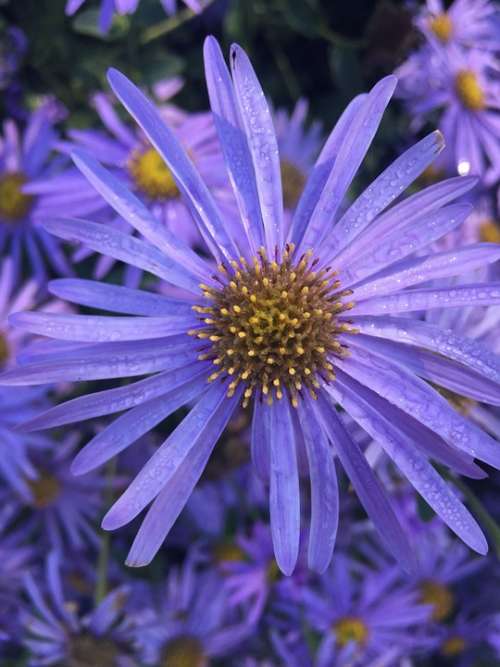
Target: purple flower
(24, 158)
(123, 7)
(297, 324)
(57, 633)
(468, 23)
(464, 86)
(189, 622)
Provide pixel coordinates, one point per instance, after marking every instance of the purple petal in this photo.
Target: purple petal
(259, 127)
(261, 456)
(367, 486)
(173, 496)
(201, 203)
(324, 492)
(368, 410)
(284, 495)
(130, 426)
(204, 423)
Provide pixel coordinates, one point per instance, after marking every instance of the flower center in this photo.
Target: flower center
(274, 325)
(152, 176)
(439, 596)
(350, 629)
(442, 27)
(89, 651)
(4, 349)
(469, 91)
(453, 646)
(184, 652)
(14, 204)
(489, 232)
(45, 490)
(293, 181)
(460, 403)
(228, 552)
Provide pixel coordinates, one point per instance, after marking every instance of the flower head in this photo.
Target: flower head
(244, 332)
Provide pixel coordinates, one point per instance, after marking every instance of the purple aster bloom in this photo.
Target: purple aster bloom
(189, 622)
(468, 23)
(56, 632)
(296, 324)
(464, 86)
(366, 611)
(298, 147)
(123, 7)
(466, 639)
(24, 157)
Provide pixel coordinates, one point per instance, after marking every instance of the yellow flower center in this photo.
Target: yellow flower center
(152, 176)
(274, 326)
(228, 552)
(4, 349)
(439, 597)
(460, 403)
(469, 90)
(293, 181)
(273, 571)
(453, 646)
(350, 629)
(14, 204)
(90, 651)
(442, 27)
(489, 232)
(184, 652)
(45, 490)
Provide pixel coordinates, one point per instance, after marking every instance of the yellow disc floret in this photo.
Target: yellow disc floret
(4, 349)
(350, 629)
(453, 646)
(14, 204)
(469, 90)
(293, 181)
(439, 597)
(45, 490)
(489, 232)
(152, 176)
(274, 325)
(442, 27)
(184, 652)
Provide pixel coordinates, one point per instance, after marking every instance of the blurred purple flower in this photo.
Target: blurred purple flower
(301, 323)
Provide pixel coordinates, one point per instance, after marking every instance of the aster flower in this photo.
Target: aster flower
(24, 157)
(56, 632)
(189, 623)
(366, 611)
(124, 7)
(295, 324)
(464, 87)
(468, 23)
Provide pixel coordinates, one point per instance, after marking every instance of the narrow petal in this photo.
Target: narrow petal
(466, 351)
(105, 361)
(367, 486)
(407, 236)
(354, 147)
(130, 426)
(259, 127)
(384, 190)
(171, 500)
(116, 298)
(422, 402)
(110, 400)
(284, 499)
(201, 203)
(367, 409)
(205, 422)
(111, 242)
(324, 493)
(97, 328)
(130, 207)
(233, 142)
(319, 175)
(429, 267)
(261, 456)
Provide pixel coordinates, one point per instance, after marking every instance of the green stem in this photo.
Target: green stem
(169, 24)
(101, 584)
